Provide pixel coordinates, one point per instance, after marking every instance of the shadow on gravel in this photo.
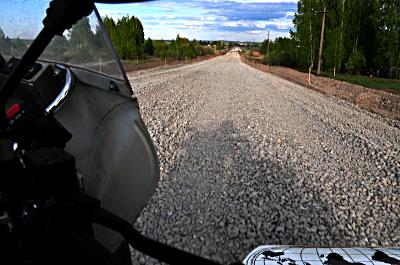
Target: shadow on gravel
(224, 196)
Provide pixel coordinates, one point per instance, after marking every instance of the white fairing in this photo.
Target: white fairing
(113, 151)
(292, 255)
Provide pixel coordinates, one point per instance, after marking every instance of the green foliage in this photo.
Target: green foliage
(11, 46)
(81, 35)
(127, 36)
(180, 48)
(371, 26)
(18, 47)
(283, 53)
(356, 62)
(220, 45)
(264, 47)
(160, 49)
(5, 44)
(388, 23)
(366, 81)
(59, 46)
(81, 45)
(149, 47)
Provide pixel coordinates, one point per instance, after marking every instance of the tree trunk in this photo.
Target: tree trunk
(358, 26)
(341, 37)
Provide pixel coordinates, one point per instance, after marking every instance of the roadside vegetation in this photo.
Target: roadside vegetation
(361, 41)
(128, 37)
(366, 81)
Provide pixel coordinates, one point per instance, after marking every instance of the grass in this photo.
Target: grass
(365, 81)
(370, 82)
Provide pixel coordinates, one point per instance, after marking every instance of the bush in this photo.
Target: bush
(282, 53)
(180, 49)
(282, 58)
(356, 62)
(149, 47)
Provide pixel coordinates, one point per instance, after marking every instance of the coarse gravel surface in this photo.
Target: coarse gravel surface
(248, 159)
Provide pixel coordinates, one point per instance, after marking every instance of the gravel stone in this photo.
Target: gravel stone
(248, 158)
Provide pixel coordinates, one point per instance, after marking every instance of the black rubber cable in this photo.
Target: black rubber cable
(152, 248)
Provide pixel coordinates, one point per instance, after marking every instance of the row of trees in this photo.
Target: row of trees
(361, 37)
(179, 49)
(282, 51)
(80, 45)
(12, 46)
(128, 37)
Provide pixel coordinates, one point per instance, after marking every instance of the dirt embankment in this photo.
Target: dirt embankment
(377, 101)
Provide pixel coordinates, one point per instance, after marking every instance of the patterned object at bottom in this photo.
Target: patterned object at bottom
(291, 255)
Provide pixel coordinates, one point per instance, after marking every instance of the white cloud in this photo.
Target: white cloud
(290, 14)
(280, 23)
(254, 31)
(196, 19)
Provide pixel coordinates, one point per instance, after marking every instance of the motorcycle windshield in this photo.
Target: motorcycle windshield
(85, 45)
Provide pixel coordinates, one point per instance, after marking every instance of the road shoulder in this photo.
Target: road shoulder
(376, 101)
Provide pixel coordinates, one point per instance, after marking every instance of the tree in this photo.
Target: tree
(283, 53)
(81, 35)
(110, 26)
(388, 23)
(180, 48)
(308, 26)
(57, 48)
(148, 47)
(356, 62)
(127, 35)
(18, 47)
(220, 45)
(160, 49)
(361, 36)
(171, 52)
(59, 44)
(5, 44)
(264, 47)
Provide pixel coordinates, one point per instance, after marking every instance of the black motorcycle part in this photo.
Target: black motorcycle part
(9, 248)
(2, 61)
(61, 235)
(32, 127)
(152, 248)
(62, 14)
(52, 173)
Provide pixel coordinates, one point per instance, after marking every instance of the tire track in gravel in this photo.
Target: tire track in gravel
(248, 159)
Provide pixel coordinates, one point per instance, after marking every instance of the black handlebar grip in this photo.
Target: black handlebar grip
(62, 14)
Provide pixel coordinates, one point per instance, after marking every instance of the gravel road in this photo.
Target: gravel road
(248, 158)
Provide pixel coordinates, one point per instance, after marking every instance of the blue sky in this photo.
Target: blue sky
(241, 20)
